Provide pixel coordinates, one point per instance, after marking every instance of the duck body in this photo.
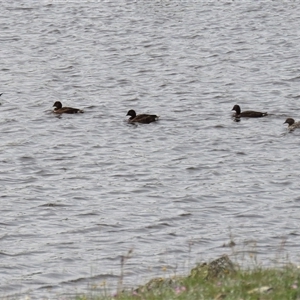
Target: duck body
(292, 124)
(142, 118)
(59, 109)
(248, 113)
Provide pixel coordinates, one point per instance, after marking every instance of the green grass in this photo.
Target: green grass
(256, 283)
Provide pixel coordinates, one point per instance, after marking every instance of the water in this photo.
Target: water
(80, 191)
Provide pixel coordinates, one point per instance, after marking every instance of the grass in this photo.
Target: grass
(218, 280)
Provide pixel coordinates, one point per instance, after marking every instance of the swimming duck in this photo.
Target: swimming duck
(248, 113)
(292, 124)
(143, 118)
(65, 110)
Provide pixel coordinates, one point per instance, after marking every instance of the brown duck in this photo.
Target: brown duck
(292, 124)
(59, 109)
(248, 113)
(143, 118)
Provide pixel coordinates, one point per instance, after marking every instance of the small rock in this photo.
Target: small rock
(219, 267)
(263, 289)
(220, 297)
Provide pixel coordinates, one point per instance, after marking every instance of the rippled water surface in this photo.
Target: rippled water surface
(80, 191)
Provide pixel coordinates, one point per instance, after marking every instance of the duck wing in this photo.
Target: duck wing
(144, 118)
(252, 114)
(68, 110)
(294, 126)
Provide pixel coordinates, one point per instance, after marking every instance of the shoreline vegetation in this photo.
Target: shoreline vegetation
(217, 280)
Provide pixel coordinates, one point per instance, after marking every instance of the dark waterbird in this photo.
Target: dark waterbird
(143, 118)
(292, 124)
(248, 113)
(59, 109)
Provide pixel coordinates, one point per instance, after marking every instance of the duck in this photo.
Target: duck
(59, 109)
(142, 118)
(248, 113)
(292, 124)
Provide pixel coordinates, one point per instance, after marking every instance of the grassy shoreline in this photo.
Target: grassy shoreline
(219, 279)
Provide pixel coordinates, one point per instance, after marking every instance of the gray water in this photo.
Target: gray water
(80, 191)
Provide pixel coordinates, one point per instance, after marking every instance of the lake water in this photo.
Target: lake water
(80, 191)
